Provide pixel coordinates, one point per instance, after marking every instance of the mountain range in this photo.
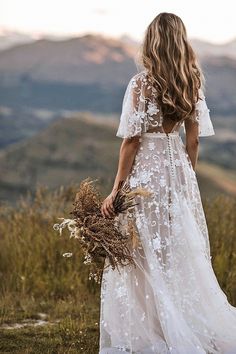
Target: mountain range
(45, 80)
(10, 38)
(91, 72)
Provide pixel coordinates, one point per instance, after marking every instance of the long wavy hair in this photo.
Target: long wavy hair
(172, 66)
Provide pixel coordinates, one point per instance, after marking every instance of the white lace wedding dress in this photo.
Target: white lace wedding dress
(171, 302)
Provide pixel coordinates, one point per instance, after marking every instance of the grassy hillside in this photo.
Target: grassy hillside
(221, 148)
(37, 282)
(39, 286)
(217, 178)
(68, 151)
(19, 124)
(71, 149)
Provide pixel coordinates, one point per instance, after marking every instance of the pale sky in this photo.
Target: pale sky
(204, 19)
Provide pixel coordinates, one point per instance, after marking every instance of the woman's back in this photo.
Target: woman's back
(141, 112)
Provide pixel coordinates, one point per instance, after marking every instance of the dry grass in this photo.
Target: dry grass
(35, 277)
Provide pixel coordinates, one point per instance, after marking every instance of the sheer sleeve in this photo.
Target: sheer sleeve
(203, 118)
(133, 115)
(140, 111)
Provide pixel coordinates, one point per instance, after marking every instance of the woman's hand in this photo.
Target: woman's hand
(127, 154)
(107, 208)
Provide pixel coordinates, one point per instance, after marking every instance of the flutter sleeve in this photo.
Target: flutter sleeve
(132, 119)
(202, 116)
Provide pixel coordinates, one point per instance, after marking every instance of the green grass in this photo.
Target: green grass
(221, 219)
(68, 336)
(35, 278)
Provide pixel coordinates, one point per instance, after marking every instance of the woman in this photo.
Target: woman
(171, 301)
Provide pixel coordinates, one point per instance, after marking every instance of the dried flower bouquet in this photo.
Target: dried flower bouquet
(101, 238)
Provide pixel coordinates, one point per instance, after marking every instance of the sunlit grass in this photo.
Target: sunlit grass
(36, 279)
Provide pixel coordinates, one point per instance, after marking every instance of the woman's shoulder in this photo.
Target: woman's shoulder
(201, 91)
(139, 79)
(139, 76)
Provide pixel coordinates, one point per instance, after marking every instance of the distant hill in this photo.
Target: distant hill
(207, 49)
(68, 151)
(80, 74)
(19, 124)
(82, 71)
(90, 73)
(87, 60)
(220, 75)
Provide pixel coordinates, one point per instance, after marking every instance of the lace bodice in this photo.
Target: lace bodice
(140, 112)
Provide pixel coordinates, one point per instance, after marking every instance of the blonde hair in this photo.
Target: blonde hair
(172, 66)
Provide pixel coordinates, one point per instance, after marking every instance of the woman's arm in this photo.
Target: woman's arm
(127, 154)
(192, 140)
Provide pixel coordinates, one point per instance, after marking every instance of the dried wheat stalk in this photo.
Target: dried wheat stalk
(101, 237)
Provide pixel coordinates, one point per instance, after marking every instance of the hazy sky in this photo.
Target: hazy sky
(205, 19)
